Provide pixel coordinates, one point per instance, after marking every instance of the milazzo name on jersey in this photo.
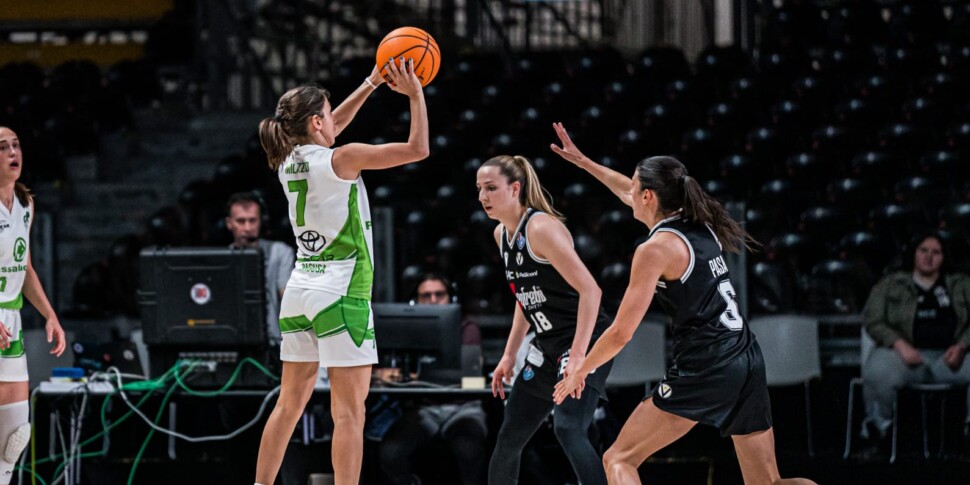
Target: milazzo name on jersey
(297, 167)
(531, 299)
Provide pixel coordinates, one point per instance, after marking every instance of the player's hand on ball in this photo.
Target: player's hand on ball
(375, 77)
(403, 79)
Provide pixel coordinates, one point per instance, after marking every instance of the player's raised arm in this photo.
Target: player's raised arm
(618, 183)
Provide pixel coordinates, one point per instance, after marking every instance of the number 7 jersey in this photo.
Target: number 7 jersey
(708, 330)
(331, 223)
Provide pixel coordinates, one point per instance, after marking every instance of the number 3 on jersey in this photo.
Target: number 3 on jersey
(541, 322)
(731, 318)
(301, 188)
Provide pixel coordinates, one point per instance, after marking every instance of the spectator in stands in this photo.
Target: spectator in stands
(918, 319)
(460, 425)
(244, 212)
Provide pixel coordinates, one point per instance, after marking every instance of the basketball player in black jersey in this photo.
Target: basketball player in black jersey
(718, 375)
(557, 298)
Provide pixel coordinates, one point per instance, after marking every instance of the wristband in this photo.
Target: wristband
(370, 83)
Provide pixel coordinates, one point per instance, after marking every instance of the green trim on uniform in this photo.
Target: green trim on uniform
(350, 243)
(298, 323)
(15, 304)
(347, 314)
(16, 348)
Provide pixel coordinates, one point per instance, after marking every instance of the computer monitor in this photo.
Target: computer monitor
(413, 334)
(211, 297)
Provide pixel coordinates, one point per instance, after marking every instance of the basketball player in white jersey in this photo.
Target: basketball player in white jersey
(325, 317)
(17, 280)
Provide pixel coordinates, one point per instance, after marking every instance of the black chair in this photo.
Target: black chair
(896, 222)
(874, 165)
(837, 286)
(851, 192)
(945, 167)
(825, 224)
(903, 138)
(772, 288)
(866, 246)
(805, 170)
(614, 279)
(958, 135)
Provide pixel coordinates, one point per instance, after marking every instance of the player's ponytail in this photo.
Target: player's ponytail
(532, 195)
(288, 126)
(678, 191)
(24, 195)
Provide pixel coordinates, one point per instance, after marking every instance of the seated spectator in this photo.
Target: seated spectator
(460, 425)
(918, 319)
(243, 216)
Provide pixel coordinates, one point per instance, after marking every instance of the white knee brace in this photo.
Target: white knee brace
(14, 436)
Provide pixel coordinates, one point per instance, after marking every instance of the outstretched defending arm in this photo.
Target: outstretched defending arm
(618, 183)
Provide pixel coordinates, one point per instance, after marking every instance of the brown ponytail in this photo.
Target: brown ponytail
(532, 195)
(24, 195)
(676, 190)
(278, 134)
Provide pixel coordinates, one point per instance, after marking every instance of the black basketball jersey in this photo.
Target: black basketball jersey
(708, 330)
(548, 302)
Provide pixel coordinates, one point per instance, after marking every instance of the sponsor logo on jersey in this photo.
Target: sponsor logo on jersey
(519, 259)
(297, 167)
(312, 241)
(4, 225)
(664, 390)
(519, 274)
(312, 267)
(528, 373)
(505, 256)
(520, 241)
(27, 220)
(200, 293)
(19, 249)
(531, 298)
(13, 269)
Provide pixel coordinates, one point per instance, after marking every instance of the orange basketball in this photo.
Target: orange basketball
(414, 43)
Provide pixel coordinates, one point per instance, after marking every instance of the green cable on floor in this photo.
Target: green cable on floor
(150, 386)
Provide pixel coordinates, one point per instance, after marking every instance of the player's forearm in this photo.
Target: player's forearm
(345, 113)
(606, 347)
(519, 329)
(618, 183)
(34, 293)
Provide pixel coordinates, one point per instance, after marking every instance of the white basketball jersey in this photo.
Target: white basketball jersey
(14, 244)
(331, 222)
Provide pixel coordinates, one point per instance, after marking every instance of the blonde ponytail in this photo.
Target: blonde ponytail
(532, 194)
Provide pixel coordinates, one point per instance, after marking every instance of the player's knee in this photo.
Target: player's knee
(614, 458)
(567, 430)
(14, 436)
(350, 416)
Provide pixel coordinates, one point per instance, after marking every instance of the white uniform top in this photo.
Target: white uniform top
(331, 222)
(14, 244)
